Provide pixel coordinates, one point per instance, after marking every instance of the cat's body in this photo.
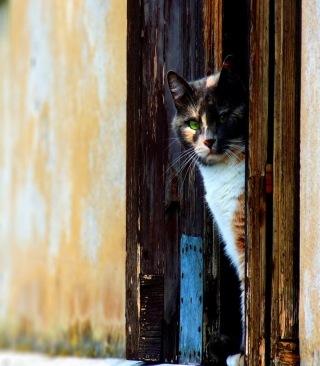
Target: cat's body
(224, 185)
(211, 123)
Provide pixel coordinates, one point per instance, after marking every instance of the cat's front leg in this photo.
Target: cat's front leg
(236, 360)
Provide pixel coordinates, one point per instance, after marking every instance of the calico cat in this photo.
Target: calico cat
(210, 123)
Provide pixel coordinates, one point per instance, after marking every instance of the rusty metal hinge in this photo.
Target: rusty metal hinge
(269, 178)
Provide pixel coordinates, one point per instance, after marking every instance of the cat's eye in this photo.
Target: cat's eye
(194, 124)
(223, 117)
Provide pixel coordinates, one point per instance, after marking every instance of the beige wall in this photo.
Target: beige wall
(310, 186)
(62, 174)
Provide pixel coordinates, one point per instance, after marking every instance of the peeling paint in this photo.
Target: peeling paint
(62, 174)
(308, 318)
(40, 79)
(30, 211)
(309, 186)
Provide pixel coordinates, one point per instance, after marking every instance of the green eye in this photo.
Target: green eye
(223, 118)
(194, 124)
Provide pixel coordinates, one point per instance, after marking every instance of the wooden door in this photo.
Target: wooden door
(164, 203)
(165, 209)
(272, 335)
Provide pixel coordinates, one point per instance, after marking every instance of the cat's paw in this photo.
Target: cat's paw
(236, 360)
(220, 347)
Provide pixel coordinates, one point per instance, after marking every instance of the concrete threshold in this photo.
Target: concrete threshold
(9, 358)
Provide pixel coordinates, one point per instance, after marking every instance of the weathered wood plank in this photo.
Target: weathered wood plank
(161, 203)
(152, 139)
(173, 51)
(133, 179)
(212, 45)
(285, 279)
(191, 300)
(212, 19)
(256, 275)
(164, 203)
(151, 317)
(287, 354)
(256, 200)
(184, 194)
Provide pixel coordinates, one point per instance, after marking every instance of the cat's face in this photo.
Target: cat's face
(211, 115)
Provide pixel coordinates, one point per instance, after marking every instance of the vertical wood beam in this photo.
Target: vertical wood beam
(256, 198)
(133, 180)
(191, 300)
(285, 276)
(185, 208)
(152, 136)
(159, 38)
(151, 317)
(212, 45)
(162, 205)
(212, 19)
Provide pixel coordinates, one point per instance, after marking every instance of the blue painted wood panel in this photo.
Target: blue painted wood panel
(191, 300)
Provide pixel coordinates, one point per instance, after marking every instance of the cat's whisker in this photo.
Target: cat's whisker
(235, 156)
(174, 140)
(181, 156)
(192, 161)
(231, 158)
(185, 157)
(188, 160)
(191, 167)
(236, 149)
(177, 170)
(235, 140)
(195, 164)
(237, 144)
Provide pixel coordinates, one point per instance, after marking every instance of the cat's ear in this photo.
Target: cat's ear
(229, 74)
(180, 89)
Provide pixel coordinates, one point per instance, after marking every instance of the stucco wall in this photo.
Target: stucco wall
(62, 174)
(310, 186)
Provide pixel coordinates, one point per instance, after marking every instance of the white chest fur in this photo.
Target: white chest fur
(224, 184)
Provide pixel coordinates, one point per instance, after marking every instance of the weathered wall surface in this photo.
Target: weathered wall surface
(62, 174)
(310, 186)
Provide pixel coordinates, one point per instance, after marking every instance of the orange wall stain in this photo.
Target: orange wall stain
(62, 174)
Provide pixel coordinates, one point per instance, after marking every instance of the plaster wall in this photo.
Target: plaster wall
(62, 175)
(310, 186)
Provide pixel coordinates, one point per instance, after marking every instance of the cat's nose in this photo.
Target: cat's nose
(209, 142)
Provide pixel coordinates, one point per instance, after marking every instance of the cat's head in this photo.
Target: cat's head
(211, 114)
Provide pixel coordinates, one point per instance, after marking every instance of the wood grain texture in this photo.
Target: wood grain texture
(191, 300)
(162, 201)
(133, 180)
(151, 317)
(285, 284)
(212, 45)
(212, 18)
(287, 354)
(185, 208)
(256, 199)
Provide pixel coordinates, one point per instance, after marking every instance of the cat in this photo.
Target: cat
(210, 123)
